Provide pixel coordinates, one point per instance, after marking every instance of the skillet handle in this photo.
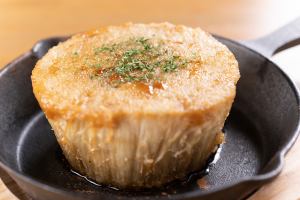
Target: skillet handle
(279, 40)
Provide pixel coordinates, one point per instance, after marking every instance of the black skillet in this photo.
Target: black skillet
(261, 128)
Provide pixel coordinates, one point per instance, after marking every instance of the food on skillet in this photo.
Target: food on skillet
(137, 105)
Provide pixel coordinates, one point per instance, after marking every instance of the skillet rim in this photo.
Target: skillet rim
(256, 179)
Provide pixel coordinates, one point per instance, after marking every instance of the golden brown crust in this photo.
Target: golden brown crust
(203, 83)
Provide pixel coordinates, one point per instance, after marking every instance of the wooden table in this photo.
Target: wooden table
(23, 22)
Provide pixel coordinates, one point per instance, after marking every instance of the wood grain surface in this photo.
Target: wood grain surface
(23, 22)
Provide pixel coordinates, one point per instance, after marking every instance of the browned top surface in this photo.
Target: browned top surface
(63, 84)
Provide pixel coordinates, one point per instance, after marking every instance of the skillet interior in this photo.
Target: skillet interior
(263, 122)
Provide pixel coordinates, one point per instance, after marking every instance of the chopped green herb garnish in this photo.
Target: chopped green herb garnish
(98, 65)
(103, 49)
(136, 59)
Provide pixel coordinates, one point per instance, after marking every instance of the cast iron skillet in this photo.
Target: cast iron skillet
(261, 128)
